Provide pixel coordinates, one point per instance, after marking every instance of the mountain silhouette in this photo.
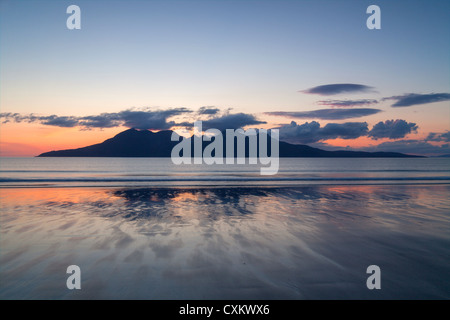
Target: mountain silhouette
(145, 143)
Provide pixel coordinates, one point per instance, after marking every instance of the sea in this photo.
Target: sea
(145, 228)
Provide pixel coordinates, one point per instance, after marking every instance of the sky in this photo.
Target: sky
(312, 69)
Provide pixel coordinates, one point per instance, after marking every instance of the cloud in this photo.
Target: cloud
(310, 132)
(8, 117)
(150, 119)
(65, 122)
(104, 120)
(303, 133)
(347, 103)
(432, 136)
(328, 114)
(392, 129)
(348, 130)
(337, 88)
(139, 119)
(208, 110)
(231, 121)
(413, 99)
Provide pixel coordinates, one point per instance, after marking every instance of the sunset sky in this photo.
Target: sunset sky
(310, 68)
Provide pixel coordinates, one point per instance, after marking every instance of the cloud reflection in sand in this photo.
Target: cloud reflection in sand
(227, 243)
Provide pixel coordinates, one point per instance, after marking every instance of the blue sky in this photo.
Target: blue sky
(251, 56)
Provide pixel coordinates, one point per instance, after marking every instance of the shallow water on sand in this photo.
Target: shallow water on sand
(303, 242)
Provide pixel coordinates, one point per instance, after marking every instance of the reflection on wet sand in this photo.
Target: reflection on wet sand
(225, 242)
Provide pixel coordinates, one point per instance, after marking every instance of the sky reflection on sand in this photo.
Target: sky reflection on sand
(225, 243)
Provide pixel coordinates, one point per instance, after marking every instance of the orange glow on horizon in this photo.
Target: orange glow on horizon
(354, 143)
(29, 140)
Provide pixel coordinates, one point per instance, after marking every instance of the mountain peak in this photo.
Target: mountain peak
(132, 132)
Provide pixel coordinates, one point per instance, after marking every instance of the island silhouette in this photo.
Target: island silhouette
(145, 143)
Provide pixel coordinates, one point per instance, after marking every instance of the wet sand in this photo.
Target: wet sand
(308, 242)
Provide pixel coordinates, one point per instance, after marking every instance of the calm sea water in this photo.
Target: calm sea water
(161, 171)
(147, 229)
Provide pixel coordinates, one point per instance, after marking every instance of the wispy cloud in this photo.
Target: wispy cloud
(52, 120)
(392, 129)
(347, 103)
(412, 99)
(327, 114)
(337, 88)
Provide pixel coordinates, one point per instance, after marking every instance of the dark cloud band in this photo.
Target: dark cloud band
(413, 99)
(327, 114)
(140, 119)
(348, 103)
(337, 88)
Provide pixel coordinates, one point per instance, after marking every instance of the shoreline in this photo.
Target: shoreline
(229, 186)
